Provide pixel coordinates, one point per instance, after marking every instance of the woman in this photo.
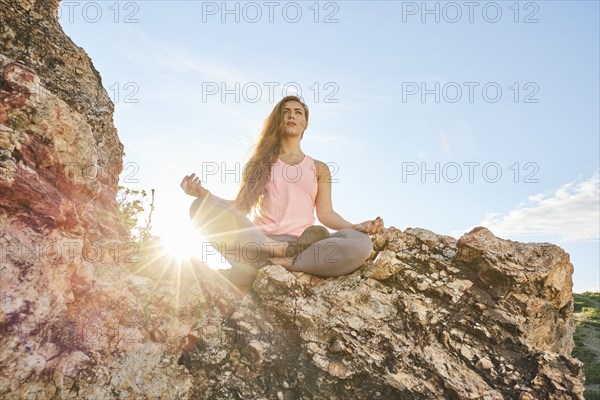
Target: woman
(281, 186)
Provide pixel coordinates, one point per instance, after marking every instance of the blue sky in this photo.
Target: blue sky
(520, 156)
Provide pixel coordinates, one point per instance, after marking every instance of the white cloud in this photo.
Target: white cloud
(571, 213)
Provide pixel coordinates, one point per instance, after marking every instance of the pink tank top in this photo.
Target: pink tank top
(288, 202)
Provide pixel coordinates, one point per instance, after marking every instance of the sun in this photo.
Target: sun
(182, 241)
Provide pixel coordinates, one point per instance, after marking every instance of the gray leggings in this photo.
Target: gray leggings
(239, 241)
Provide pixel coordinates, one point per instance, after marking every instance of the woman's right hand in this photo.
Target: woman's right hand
(191, 185)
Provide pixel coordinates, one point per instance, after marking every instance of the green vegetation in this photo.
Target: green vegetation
(149, 257)
(587, 334)
(132, 206)
(590, 394)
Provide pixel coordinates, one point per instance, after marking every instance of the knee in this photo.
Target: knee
(362, 246)
(194, 208)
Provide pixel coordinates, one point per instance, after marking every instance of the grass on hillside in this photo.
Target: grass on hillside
(587, 317)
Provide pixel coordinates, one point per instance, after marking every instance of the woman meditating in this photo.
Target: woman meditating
(281, 186)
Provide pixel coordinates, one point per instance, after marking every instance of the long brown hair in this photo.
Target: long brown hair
(258, 168)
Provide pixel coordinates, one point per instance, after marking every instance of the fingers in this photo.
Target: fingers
(183, 183)
(188, 182)
(377, 226)
(194, 180)
(187, 178)
(372, 227)
(380, 225)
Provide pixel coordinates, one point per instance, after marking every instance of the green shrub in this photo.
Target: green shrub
(592, 373)
(132, 205)
(583, 354)
(587, 313)
(586, 299)
(591, 394)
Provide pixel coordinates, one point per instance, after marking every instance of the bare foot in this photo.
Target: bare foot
(285, 262)
(275, 249)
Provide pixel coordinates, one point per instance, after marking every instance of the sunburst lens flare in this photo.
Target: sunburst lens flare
(184, 243)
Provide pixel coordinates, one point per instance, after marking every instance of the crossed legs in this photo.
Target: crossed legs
(247, 248)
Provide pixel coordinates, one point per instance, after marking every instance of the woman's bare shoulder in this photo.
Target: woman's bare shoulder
(318, 164)
(321, 168)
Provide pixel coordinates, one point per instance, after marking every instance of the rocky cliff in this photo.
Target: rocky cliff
(426, 317)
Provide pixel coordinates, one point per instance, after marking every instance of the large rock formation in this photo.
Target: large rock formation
(61, 156)
(426, 317)
(65, 305)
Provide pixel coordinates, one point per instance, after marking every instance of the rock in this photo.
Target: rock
(373, 334)
(426, 317)
(70, 327)
(484, 364)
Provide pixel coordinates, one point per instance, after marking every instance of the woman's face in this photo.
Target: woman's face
(294, 118)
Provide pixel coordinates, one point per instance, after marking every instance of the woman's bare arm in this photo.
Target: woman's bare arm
(192, 186)
(325, 212)
(324, 206)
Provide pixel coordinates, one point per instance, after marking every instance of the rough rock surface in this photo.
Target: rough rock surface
(59, 139)
(71, 326)
(426, 317)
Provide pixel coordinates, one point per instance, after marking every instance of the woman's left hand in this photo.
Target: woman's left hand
(370, 227)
